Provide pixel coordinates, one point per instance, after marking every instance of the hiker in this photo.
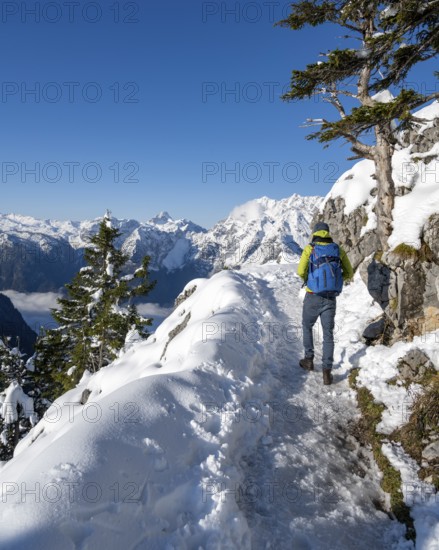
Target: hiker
(323, 266)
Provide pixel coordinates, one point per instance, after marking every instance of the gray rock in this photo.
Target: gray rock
(411, 288)
(84, 397)
(416, 357)
(431, 451)
(184, 295)
(431, 235)
(407, 288)
(374, 330)
(431, 291)
(376, 276)
(346, 229)
(414, 365)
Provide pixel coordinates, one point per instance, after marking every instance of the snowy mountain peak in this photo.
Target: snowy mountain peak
(162, 218)
(248, 211)
(264, 207)
(260, 231)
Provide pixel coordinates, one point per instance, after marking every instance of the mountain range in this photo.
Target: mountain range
(43, 255)
(13, 328)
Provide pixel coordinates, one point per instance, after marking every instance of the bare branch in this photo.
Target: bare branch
(334, 103)
(363, 150)
(347, 94)
(434, 95)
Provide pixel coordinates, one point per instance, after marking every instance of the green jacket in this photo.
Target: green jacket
(302, 269)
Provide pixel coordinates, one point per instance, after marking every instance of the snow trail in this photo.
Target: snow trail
(307, 485)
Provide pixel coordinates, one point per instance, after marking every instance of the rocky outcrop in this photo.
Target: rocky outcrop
(410, 295)
(346, 229)
(431, 236)
(185, 295)
(404, 281)
(422, 142)
(419, 435)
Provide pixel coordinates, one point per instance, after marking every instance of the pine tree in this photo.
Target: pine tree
(96, 315)
(385, 41)
(16, 406)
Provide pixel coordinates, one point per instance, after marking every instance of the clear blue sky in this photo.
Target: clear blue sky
(143, 107)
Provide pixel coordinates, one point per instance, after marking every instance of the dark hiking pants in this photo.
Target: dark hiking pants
(314, 307)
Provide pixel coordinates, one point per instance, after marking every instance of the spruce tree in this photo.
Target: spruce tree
(95, 316)
(52, 351)
(384, 41)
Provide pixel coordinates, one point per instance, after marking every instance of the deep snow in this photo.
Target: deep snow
(215, 439)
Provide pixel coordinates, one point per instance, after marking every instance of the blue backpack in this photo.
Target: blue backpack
(325, 275)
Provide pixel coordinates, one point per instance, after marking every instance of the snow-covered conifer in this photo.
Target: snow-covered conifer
(17, 414)
(95, 316)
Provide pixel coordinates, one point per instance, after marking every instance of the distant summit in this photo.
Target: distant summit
(43, 255)
(162, 217)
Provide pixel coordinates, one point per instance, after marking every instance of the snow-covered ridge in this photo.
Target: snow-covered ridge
(212, 404)
(151, 442)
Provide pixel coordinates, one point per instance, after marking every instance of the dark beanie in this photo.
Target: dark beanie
(321, 226)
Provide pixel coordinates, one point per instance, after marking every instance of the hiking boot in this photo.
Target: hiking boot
(307, 363)
(327, 377)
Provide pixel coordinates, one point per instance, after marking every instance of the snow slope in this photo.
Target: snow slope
(209, 436)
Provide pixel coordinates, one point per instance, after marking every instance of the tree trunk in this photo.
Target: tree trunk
(101, 353)
(386, 186)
